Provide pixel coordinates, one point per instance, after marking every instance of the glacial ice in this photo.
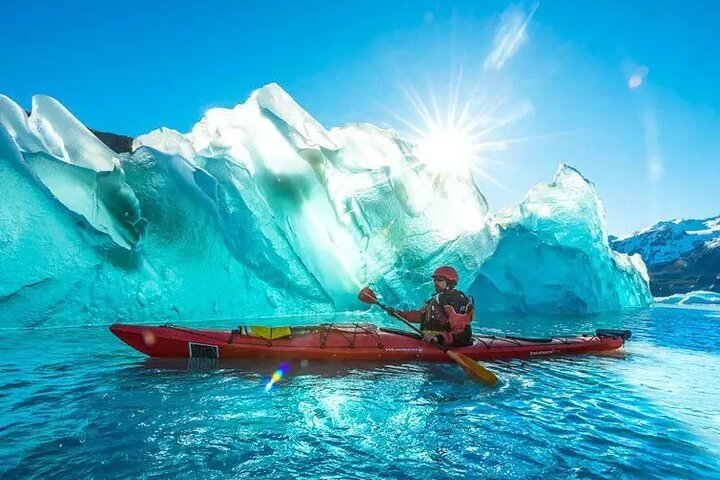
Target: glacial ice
(17, 125)
(261, 211)
(44, 250)
(166, 140)
(77, 169)
(698, 297)
(66, 138)
(553, 255)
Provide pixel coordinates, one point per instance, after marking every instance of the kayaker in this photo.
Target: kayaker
(445, 318)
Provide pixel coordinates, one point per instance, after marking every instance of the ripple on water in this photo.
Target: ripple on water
(648, 412)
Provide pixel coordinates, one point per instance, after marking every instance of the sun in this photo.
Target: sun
(445, 148)
(456, 136)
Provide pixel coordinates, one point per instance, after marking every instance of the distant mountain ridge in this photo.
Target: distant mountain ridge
(117, 143)
(681, 255)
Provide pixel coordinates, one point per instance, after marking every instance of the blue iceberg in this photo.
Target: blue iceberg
(552, 255)
(261, 211)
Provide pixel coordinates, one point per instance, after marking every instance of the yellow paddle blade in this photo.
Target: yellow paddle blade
(474, 369)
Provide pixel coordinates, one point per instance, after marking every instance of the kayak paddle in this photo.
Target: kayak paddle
(471, 367)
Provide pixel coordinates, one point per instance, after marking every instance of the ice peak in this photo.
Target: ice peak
(273, 97)
(66, 138)
(16, 122)
(272, 89)
(567, 171)
(279, 104)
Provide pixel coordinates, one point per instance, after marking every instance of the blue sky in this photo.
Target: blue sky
(627, 92)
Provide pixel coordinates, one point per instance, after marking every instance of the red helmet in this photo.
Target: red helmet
(448, 273)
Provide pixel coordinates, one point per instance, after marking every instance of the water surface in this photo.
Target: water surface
(77, 403)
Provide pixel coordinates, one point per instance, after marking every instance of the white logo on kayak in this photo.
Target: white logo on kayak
(542, 352)
(403, 349)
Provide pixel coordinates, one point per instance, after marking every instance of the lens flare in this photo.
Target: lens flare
(148, 337)
(277, 376)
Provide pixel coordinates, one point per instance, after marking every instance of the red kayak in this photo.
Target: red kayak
(346, 342)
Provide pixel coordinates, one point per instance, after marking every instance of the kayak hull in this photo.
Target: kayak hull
(354, 342)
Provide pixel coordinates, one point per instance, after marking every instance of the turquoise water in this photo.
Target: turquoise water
(76, 403)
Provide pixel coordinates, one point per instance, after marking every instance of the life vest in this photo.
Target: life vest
(449, 310)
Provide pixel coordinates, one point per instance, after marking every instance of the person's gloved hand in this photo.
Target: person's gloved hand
(429, 337)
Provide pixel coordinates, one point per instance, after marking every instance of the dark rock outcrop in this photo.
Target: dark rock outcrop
(118, 143)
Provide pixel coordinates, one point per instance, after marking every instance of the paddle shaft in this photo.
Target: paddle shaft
(419, 332)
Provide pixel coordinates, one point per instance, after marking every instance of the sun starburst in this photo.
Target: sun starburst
(456, 136)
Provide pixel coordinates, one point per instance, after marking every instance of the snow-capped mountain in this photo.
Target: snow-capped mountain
(681, 255)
